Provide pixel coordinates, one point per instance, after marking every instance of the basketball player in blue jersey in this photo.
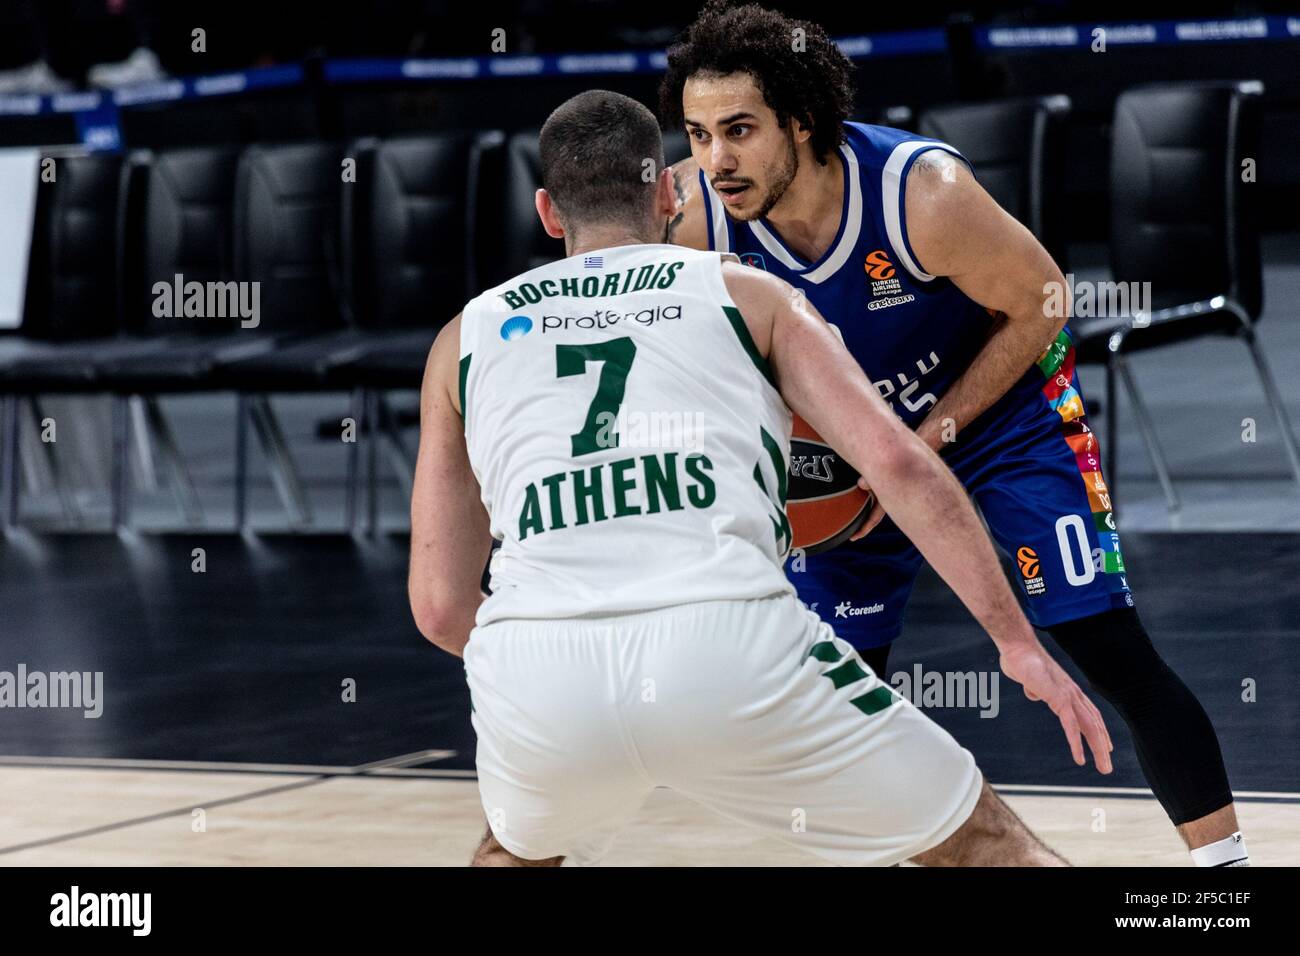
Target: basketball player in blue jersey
(944, 299)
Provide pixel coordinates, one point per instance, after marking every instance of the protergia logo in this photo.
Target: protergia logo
(607, 318)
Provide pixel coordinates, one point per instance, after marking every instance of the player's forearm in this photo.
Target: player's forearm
(1014, 346)
(926, 501)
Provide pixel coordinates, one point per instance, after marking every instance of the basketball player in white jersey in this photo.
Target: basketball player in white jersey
(641, 632)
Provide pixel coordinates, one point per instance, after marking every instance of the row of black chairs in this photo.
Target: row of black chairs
(1183, 217)
(362, 250)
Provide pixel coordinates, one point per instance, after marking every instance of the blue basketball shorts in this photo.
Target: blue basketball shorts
(1033, 467)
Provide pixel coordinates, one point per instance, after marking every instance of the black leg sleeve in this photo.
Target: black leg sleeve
(1177, 747)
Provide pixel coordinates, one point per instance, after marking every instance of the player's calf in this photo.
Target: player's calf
(991, 836)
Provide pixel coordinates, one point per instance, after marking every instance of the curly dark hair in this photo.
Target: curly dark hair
(813, 85)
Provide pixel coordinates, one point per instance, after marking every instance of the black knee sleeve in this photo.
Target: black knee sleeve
(1175, 742)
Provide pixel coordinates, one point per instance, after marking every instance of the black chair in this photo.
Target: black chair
(1184, 220)
(178, 218)
(524, 243)
(411, 220)
(175, 228)
(287, 241)
(178, 228)
(898, 116)
(1017, 148)
(69, 318)
(412, 223)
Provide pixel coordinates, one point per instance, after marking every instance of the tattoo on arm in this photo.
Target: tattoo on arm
(939, 163)
(680, 178)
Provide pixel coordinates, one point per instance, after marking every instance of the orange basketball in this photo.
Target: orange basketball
(825, 505)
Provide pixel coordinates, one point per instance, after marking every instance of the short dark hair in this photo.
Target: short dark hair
(594, 149)
(813, 85)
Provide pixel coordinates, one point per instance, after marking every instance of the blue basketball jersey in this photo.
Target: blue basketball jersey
(1030, 460)
(913, 333)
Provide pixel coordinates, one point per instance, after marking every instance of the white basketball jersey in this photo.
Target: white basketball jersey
(631, 448)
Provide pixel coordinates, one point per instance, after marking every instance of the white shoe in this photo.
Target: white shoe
(36, 77)
(141, 66)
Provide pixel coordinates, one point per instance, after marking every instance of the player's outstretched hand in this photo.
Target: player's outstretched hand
(873, 519)
(1044, 679)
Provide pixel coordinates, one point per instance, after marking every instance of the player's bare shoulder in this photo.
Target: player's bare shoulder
(688, 227)
(758, 295)
(440, 368)
(942, 197)
(937, 172)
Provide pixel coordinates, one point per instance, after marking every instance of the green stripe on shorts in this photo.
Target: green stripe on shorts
(825, 651)
(850, 671)
(873, 702)
(847, 673)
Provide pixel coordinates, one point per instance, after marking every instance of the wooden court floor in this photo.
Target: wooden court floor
(126, 813)
(229, 683)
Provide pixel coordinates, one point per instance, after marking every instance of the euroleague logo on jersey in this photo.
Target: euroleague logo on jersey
(886, 288)
(878, 266)
(1031, 570)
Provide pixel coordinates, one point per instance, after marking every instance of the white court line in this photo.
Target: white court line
(419, 756)
(128, 763)
(321, 773)
(399, 767)
(434, 774)
(1134, 791)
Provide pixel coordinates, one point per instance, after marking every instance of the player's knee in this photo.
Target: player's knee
(991, 836)
(1115, 654)
(490, 852)
(968, 843)
(1120, 663)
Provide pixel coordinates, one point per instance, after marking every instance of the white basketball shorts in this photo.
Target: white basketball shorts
(752, 708)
